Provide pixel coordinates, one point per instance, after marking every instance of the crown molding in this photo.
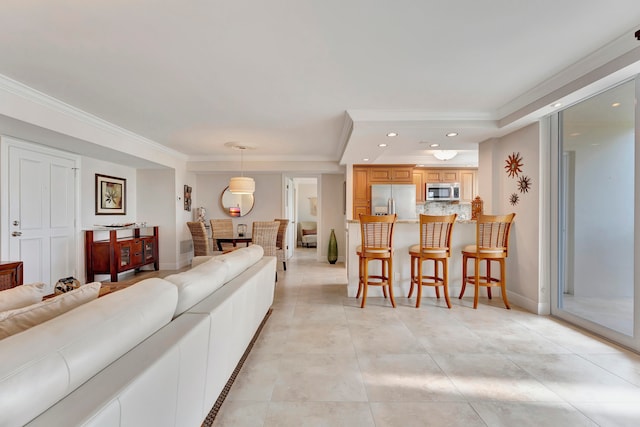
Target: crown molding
(29, 94)
(614, 52)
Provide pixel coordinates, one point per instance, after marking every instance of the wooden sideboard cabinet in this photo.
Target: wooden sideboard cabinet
(119, 254)
(10, 274)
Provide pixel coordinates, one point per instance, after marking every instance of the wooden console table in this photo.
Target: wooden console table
(10, 274)
(117, 255)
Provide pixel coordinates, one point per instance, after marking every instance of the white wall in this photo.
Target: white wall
(268, 197)
(156, 206)
(305, 193)
(331, 208)
(89, 167)
(495, 188)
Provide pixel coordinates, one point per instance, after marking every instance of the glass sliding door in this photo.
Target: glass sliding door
(596, 213)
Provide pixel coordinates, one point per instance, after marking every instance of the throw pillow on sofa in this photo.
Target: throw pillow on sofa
(18, 320)
(21, 296)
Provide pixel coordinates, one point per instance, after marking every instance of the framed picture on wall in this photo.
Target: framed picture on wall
(187, 198)
(111, 195)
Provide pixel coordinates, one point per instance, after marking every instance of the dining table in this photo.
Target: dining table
(235, 239)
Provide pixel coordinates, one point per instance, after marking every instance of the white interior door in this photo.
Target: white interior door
(42, 214)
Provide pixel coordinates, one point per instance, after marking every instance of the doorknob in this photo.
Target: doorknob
(16, 223)
(16, 234)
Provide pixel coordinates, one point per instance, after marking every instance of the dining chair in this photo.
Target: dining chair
(377, 245)
(222, 228)
(435, 245)
(281, 242)
(265, 234)
(492, 245)
(200, 238)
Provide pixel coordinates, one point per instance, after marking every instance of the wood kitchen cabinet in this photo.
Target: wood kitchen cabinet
(117, 255)
(468, 185)
(391, 174)
(361, 192)
(418, 180)
(441, 175)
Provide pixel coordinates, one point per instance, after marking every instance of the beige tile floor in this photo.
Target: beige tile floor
(322, 361)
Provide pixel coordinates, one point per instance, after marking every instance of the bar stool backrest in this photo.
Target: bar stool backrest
(435, 232)
(377, 232)
(492, 233)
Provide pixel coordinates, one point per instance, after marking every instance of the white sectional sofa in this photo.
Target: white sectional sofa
(157, 353)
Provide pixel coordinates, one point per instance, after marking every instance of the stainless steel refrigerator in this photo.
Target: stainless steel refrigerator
(394, 198)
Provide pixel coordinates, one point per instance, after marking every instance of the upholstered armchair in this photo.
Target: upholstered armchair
(309, 233)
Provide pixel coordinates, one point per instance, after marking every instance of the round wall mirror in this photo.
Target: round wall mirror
(236, 204)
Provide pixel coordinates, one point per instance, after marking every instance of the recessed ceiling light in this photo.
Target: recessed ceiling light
(615, 104)
(434, 145)
(382, 145)
(452, 134)
(392, 134)
(574, 134)
(556, 105)
(365, 159)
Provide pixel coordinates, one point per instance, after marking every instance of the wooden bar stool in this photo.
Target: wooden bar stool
(435, 245)
(377, 245)
(492, 244)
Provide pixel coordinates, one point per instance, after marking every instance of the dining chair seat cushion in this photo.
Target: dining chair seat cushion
(473, 249)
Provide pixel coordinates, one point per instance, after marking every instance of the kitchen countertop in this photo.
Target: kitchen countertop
(416, 221)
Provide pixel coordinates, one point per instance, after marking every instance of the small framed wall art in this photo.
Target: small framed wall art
(111, 195)
(187, 198)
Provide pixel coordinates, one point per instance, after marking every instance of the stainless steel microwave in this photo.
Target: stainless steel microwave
(443, 191)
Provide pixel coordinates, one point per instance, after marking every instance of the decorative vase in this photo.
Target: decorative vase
(332, 253)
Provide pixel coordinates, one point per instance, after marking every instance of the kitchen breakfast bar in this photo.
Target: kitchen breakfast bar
(405, 234)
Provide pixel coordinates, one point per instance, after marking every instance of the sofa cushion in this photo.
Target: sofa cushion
(198, 282)
(45, 363)
(20, 319)
(22, 296)
(241, 259)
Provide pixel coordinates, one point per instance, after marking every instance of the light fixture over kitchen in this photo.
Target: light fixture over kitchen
(445, 154)
(241, 184)
(452, 134)
(392, 134)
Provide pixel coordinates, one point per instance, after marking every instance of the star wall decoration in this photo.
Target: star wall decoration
(514, 199)
(514, 165)
(524, 184)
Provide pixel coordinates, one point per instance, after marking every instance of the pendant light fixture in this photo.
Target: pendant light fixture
(241, 184)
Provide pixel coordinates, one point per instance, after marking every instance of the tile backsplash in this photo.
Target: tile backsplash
(445, 208)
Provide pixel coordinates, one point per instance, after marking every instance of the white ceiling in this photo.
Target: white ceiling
(305, 80)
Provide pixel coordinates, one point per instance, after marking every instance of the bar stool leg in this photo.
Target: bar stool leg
(413, 275)
(390, 281)
(476, 281)
(436, 276)
(489, 279)
(360, 267)
(503, 284)
(445, 280)
(419, 278)
(365, 283)
(464, 276)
